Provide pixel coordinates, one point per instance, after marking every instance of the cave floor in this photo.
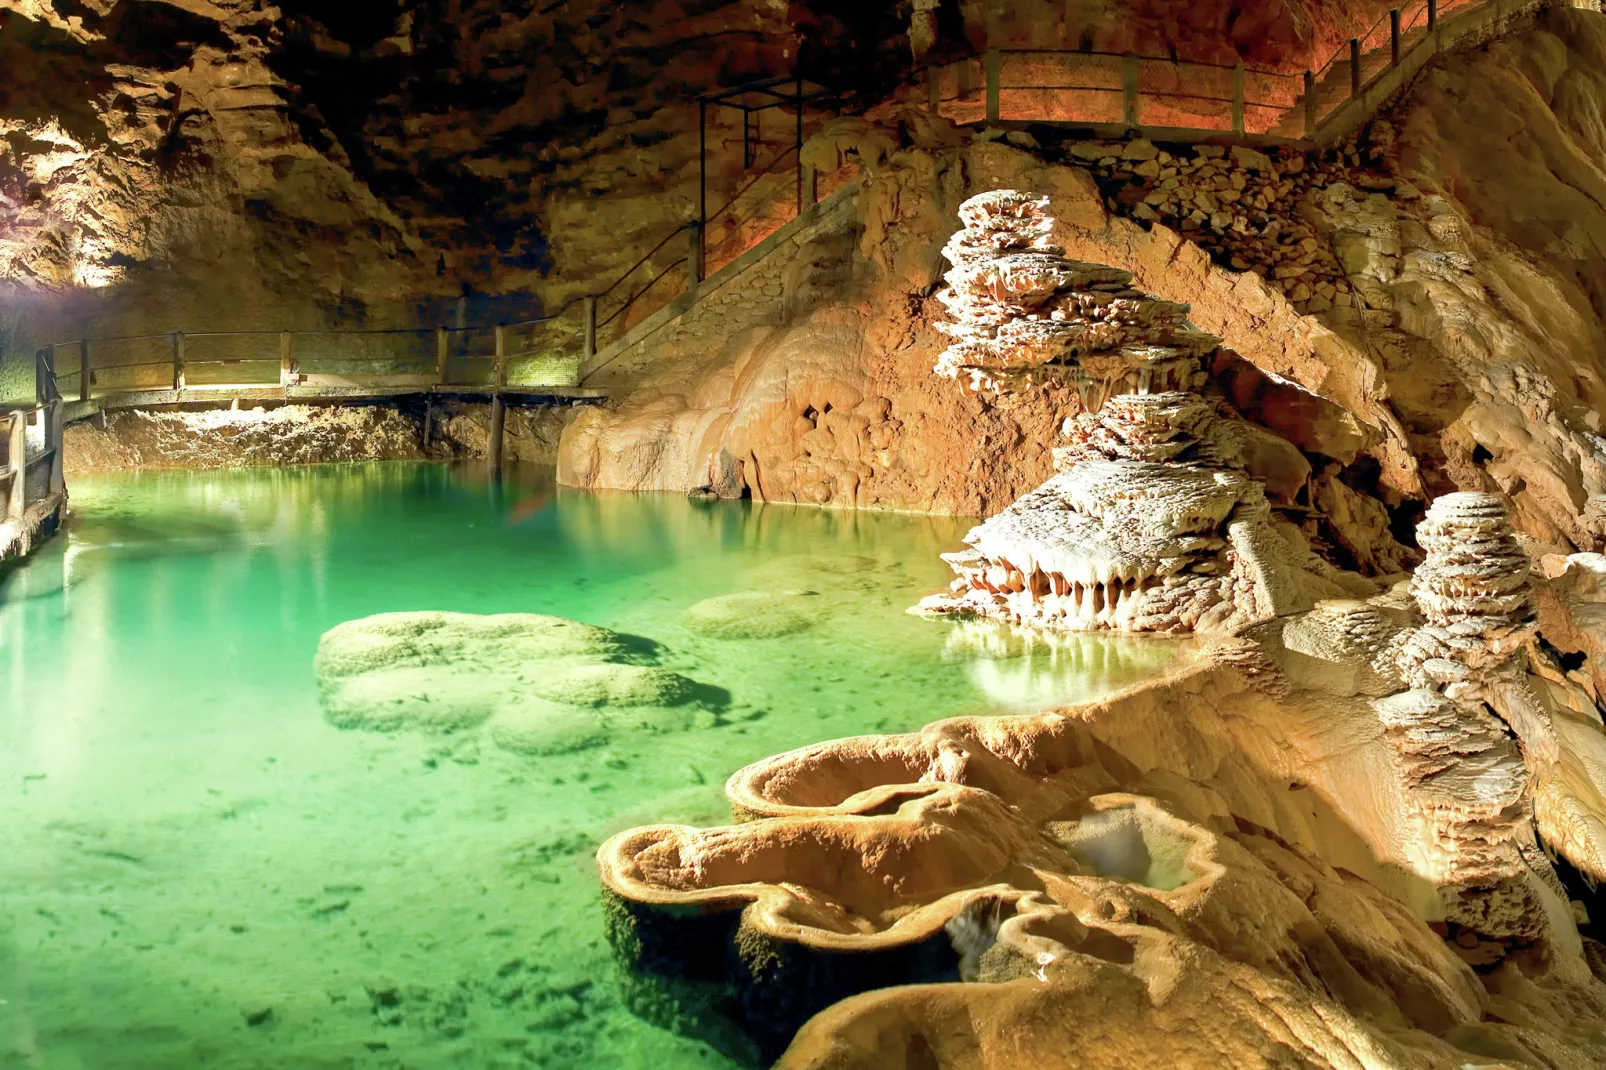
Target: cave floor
(199, 871)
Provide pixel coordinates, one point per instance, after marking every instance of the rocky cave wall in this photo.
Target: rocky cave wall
(247, 165)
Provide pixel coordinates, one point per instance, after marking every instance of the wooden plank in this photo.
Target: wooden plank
(53, 442)
(17, 461)
(498, 418)
(995, 86)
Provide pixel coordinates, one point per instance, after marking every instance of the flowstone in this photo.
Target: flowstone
(545, 685)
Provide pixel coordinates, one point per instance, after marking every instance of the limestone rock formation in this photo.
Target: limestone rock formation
(1078, 860)
(1474, 591)
(543, 684)
(1024, 314)
(754, 614)
(1425, 739)
(1154, 523)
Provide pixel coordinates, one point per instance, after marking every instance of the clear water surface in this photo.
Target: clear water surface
(196, 870)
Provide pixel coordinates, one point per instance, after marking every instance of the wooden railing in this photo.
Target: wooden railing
(396, 359)
(31, 466)
(1112, 93)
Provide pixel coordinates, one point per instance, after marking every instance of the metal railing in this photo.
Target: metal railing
(31, 466)
(1116, 92)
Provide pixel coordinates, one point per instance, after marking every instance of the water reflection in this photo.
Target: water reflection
(1027, 668)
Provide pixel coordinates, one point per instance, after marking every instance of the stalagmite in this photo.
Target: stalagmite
(1164, 529)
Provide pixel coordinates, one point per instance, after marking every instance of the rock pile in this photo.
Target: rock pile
(1241, 205)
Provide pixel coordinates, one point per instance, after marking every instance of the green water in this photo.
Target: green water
(197, 871)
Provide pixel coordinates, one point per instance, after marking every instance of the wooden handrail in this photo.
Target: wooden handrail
(14, 508)
(1386, 38)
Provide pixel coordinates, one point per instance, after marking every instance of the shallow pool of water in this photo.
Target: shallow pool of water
(197, 870)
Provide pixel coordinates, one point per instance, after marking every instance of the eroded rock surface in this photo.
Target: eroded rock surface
(225, 438)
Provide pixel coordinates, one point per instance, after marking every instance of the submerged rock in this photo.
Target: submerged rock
(813, 573)
(548, 728)
(753, 615)
(615, 685)
(547, 685)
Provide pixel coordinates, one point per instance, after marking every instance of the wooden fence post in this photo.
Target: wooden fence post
(1433, 14)
(1394, 37)
(995, 78)
(1310, 103)
(54, 421)
(1238, 99)
(442, 345)
(178, 360)
(591, 326)
(811, 185)
(494, 445)
(287, 363)
(1129, 90)
(498, 381)
(799, 142)
(17, 459)
(84, 373)
(1354, 66)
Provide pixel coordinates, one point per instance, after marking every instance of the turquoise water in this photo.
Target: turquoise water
(197, 870)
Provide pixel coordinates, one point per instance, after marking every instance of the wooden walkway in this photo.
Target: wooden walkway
(224, 394)
(1112, 95)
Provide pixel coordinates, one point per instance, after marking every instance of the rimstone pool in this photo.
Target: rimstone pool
(199, 869)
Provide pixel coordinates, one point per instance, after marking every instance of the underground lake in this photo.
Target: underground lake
(210, 862)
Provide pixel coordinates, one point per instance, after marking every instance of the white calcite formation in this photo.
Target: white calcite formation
(1025, 315)
(1444, 661)
(1475, 595)
(1152, 524)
